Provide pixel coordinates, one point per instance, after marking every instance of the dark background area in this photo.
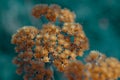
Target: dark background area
(100, 20)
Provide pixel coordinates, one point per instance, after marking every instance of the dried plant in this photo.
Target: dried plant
(59, 45)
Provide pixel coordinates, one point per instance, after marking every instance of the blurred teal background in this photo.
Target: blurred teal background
(100, 20)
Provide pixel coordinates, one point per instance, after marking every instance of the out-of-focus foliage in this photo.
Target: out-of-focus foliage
(100, 20)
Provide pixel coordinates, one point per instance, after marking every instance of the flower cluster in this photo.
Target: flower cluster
(59, 45)
(31, 68)
(53, 12)
(97, 67)
(26, 62)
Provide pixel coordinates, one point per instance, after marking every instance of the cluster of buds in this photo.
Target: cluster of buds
(53, 45)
